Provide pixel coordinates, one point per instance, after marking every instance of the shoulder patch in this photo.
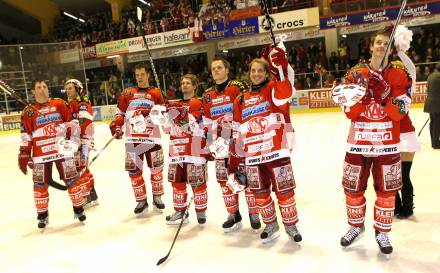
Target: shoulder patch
(29, 111)
(207, 97)
(128, 91)
(83, 107)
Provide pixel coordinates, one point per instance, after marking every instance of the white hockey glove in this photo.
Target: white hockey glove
(348, 94)
(67, 147)
(220, 148)
(402, 38)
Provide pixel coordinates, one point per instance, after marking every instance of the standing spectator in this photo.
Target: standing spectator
(432, 106)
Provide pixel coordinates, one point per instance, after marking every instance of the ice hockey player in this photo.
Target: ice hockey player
(261, 118)
(81, 110)
(373, 140)
(182, 120)
(142, 138)
(45, 127)
(218, 106)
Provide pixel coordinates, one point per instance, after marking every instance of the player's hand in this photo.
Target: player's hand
(23, 159)
(116, 130)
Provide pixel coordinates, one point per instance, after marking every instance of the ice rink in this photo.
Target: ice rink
(114, 240)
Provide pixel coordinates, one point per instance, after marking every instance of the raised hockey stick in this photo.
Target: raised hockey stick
(399, 16)
(423, 127)
(163, 259)
(11, 92)
(153, 68)
(269, 21)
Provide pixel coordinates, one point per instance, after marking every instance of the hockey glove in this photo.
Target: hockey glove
(378, 88)
(23, 159)
(116, 130)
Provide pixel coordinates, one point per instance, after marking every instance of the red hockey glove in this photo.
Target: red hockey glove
(265, 54)
(378, 87)
(278, 61)
(23, 159)
(116, 130)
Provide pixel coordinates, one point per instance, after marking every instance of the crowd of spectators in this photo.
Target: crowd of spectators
(158, 16)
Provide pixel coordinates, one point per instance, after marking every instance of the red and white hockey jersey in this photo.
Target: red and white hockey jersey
(260, 119)
(218, 108)
(81, 110)
(375, 128)
(134, 105)
(40, 130)
(187, 136)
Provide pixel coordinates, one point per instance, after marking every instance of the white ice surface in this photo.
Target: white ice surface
(113, 240)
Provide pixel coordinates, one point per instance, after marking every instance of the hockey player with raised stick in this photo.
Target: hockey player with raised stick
(261, 116)
(81, 109)
(373, 140)
(45, 127)
(142, 138)
(218, 107)
(182, 120)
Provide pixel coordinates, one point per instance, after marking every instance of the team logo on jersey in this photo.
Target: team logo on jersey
(374, 112)
(257, 125)
(50, 130)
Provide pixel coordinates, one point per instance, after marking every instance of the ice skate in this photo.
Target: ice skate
(176, 218)
(141, 208)
(383, 241)
(79, 214)
(353, 234)
(254, 218)
(293, 233)
(270, 233)
(158, 205)
(201, 217)
(43, 221)
(233, 223)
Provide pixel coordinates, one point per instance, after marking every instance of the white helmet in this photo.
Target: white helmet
(78, 85)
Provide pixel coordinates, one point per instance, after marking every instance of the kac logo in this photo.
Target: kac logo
(257, 125)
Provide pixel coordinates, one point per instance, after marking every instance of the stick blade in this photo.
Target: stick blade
(139, 13)
(162, 260)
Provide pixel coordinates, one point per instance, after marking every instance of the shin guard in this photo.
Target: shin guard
(250, 200)
(287, 206)
(384, 211)
(201, 198)
(157, 183)
(138, 184)
(231, 199)
(179, 196)
(356, 206)
(266, 207)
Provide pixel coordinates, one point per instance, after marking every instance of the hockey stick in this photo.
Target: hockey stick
(269, 21)
(163, 259)
(156, 78)
(420, 132)
(399, 16)
(11, 92)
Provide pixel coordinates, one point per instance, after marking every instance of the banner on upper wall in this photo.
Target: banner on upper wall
(112, 48)
(380, 15)
(136, 44)
(233, 29)
(290, 20)
(262, 39)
